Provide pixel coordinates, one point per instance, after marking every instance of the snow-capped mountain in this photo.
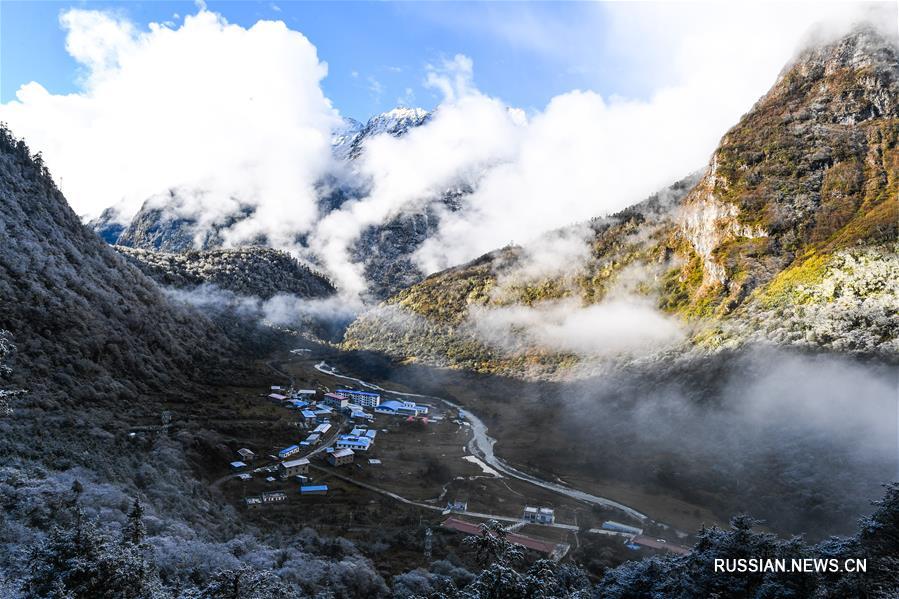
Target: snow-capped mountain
(347, 141)
(165, 224)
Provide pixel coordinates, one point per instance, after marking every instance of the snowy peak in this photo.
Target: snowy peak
(347, 141)
(396, 122)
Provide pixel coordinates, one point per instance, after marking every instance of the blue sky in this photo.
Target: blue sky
(375, 51)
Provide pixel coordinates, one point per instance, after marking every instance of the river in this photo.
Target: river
(481, 445)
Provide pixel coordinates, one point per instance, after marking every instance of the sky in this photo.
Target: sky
(552, 113)
(377, 52)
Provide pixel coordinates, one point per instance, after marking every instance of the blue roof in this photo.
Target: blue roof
(313, 488)
(291, 448)
(371, 433)
(354, 445)
(391, 404)
(369, 393)
(308, 414)
(237, 464)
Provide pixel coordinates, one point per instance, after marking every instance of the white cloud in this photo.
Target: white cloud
(235, 112)
(623, 326)
(407, 173)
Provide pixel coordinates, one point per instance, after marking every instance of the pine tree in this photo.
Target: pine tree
(134, 531)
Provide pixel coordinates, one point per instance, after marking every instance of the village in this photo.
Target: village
(352, 443)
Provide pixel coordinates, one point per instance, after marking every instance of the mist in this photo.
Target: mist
(800, 440)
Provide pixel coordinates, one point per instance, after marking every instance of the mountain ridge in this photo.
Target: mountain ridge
(802, 188)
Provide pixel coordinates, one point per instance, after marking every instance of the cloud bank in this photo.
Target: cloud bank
(231, 115)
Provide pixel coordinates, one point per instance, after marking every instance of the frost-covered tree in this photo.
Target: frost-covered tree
(134, 530)
(491, 545)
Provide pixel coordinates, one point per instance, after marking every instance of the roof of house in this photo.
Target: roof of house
(474, 529)
(308, 414)
(237, 464)
(277, 396)
(390, 404)
(354, 441)
(245, 451)
(288, 449)
(336, 396)
(294, 463)
(342, 453)
(660, 544)
(313, 488)
(353, 391)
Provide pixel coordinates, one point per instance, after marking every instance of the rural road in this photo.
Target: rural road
(433, 508)
(481, 445)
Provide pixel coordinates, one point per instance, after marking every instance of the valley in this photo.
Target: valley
(423, 468)
(479, 351)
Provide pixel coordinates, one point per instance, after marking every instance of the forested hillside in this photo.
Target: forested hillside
(251, 271)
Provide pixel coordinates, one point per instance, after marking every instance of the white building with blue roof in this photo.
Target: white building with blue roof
(353, 442)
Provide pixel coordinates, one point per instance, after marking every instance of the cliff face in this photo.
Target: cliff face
(788, 237)
(812, 166)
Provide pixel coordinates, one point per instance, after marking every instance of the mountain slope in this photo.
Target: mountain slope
(789, 237)
(168, 222)
(253, 271)
(86, 324)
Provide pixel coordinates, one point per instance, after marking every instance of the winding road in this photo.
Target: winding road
(481, 445)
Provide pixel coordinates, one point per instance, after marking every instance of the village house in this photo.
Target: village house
(322, 429)
(353, 442)
(265, 499)
(288, 451)
(365, 399)
(539, 515)
(401, 408)
(335, 400)
(314, 490)
(237, 465)
(274, 497)
(341, 457)
(246, 455)
(277, 397)
(619, 527)
(293, 467)
(312, 440)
